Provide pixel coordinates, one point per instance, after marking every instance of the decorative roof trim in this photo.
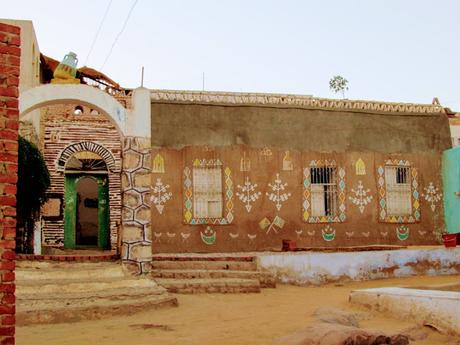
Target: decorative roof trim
(272, 99)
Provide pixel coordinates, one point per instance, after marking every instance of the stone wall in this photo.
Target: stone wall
(9, 122)
(136, 215)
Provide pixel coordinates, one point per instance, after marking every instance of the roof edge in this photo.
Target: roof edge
(292, 100)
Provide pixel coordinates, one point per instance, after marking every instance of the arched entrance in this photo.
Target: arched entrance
(86, 214)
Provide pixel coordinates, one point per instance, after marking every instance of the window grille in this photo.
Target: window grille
(323, 191)
(207, 192)
(399, 201)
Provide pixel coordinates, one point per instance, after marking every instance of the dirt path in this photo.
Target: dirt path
(246, 319)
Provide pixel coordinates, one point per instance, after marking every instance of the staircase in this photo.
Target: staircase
(205, 273)
(68, 291)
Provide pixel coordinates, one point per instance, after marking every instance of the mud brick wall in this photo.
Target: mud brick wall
(9, 80)
(62, 128)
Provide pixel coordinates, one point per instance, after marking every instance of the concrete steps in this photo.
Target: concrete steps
(51, 292)
(209, 274)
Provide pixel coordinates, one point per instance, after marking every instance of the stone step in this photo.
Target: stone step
(203, 257)
(67, 265)
(205, 265)
(71, 273)
(50, 292)
(43, 288)
(266, 279)
(73, 310)
(211, 285)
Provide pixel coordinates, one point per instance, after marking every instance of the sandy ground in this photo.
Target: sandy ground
(242, 319)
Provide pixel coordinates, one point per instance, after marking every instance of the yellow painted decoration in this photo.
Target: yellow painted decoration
(360, 167)
(188, 216)
(245, 163)
(196, 162)
(158, 164)
(287, 162)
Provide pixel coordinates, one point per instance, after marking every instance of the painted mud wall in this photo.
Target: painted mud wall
(178, 125)
(279, 145)
(61, 128)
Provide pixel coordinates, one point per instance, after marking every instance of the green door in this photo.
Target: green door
(71, 210)
(451, 187)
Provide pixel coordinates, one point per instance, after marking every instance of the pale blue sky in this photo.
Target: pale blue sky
(392, 50)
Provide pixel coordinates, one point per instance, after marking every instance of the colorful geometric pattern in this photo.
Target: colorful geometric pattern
(306, 205)
(188, 195)
(381, 187)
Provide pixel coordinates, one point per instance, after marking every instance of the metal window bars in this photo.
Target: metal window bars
(324, 191)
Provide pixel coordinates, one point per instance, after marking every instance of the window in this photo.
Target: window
(323, 191)
(207, 192)
(398, 190)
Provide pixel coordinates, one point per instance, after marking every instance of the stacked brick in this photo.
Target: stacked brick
(9, 81)
(62, 128)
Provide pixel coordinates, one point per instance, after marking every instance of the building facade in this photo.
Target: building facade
(242, 172)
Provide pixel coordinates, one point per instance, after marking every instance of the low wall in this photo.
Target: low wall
(438, 308)
(305, 268)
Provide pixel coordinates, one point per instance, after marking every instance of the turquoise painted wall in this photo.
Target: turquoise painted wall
(451, 184)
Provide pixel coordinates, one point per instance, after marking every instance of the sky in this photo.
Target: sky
(388, 50)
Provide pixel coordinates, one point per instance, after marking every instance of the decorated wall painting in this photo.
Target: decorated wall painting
(157, 237)
(266, 153)
(233, 236)
(275, 225)
(402, 232)
(287, 162)
(328, 233)
(277, 195)
(208, 236)
(248, 194)
(381, 188)
(228, 212)
(158, 164)
(160, 195)
(185, 236)
(361, 197)
(245, 163)
(360, 167)
(432, 195)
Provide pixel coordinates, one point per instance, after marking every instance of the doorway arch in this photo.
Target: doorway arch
(86, 213)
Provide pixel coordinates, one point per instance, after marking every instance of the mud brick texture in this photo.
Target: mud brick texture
(9, 122)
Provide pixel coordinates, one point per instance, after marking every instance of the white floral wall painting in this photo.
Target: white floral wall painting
(432, 195)
(278, 194)
(248, 194)
(361, 197)
(160, 195)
